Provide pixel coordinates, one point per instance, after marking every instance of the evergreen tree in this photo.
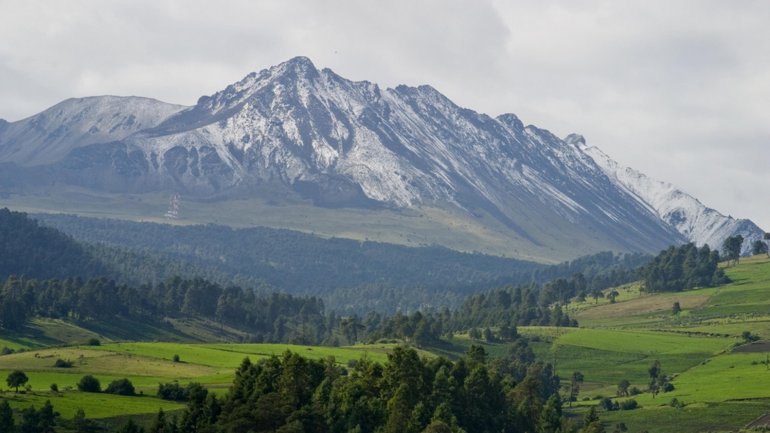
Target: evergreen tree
(47, 418)
(759, 247)
(732, 248)
(6, 417)
(550, 419)
(130, 427)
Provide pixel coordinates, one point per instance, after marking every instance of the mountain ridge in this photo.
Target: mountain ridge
(698, 223)
(295, 130)
(75, 122)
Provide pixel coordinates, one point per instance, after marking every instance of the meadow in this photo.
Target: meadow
(718, 388)
(146, 365)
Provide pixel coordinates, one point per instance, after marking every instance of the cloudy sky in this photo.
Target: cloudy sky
(679, 90)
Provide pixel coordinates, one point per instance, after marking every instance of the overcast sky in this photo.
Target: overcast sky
(679, 90)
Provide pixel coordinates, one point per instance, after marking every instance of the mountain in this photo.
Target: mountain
(49, 136)
(698, 223)
(310, 138)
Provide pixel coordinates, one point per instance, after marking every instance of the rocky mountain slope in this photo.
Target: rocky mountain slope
(698, 223)
(49, 136)
(296, 131)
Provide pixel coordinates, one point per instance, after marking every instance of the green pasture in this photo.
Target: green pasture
(694, 418)
(643, 342)
(96, 406)
(146, 365)
(733, 376)
(722, 390)
(231, 355)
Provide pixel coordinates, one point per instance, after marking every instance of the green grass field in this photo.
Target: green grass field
(722, 390)
(147, 365)
(96, 406)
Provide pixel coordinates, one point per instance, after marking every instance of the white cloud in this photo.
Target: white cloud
(678, 90)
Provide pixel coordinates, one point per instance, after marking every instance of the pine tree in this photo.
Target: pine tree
(6, 417)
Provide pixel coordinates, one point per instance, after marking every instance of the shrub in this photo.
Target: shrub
(176, 358)
(608, 405)
(94, 342)
(175, 392)
(60, 363)
(748, 337)
(121, 387)
(668, 387)
(629, 405)
(89, 383)
(172, 391)
(6, 351)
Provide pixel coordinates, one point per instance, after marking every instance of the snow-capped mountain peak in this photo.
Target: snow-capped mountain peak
(293, 130)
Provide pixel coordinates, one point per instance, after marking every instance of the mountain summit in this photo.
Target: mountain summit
(296, 131)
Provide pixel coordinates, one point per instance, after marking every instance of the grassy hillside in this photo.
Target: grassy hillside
(722, 383)
(415, 227)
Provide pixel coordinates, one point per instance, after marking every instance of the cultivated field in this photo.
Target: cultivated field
(721, 384)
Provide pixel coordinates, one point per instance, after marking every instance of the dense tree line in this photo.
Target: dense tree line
(599, 271)
(351, 276)
(406, 395)
(31, 420)
(266, 318)
(275, 317)
(26, 248)
(681, 268)
(520, 306)
(287, 318)
(286, 260)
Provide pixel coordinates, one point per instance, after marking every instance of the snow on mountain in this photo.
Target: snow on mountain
(698, 223)
(49, 136)
(340, 143)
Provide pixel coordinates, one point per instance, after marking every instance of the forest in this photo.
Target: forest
(683, 267)
(351, 276)
(407, 394)
(80, 287)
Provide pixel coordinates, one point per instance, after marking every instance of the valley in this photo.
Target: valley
(716, 383)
